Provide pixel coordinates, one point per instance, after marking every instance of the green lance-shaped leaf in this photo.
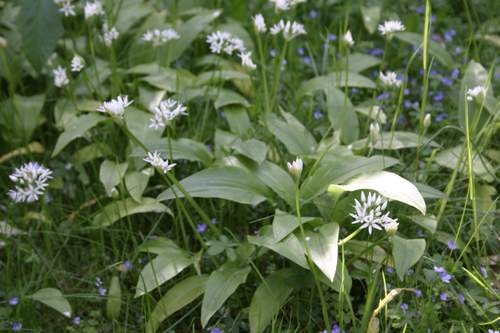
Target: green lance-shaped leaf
(406, 253)
(324, 249)
(53, 298)
(389, 185)
(110, 174)
(180, 295)
(221, 284)
(114, 302)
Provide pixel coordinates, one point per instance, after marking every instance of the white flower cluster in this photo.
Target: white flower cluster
(347, 38)
(167, 111)
(93, 9)
(259, 23)
(285, 4)
(155, 160)
(77, 63)
(109, 34)
(370, 213)
(158, 37)
(224, 42)
(115, 107)
(390, 27)
(31, 180)
(288, 28)
(477, 91)
(390, 79)
(295, 167)
(66, 7)
(60, 77)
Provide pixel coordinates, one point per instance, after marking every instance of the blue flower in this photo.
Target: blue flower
(420, 10)
(439, 96)
(376, 52)
(76, 321)
(483, 271)
(448, 35)
(14, 301)
(447, 81)
(17, 327)
(332, 37)
(313, 14)
(272, 52)
(418, 293)
(216, 330)
(404, 307)
(455, 73)
(301, 51)
(443, 274)
(318, 114)
(441, 117)
(201, 228)
(461, 298)
(452, 245)
(443, 296)
(307, 60)
(127, 265)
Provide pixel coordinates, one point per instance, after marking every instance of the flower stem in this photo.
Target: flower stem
(351, 236)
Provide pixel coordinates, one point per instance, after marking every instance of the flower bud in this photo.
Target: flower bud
(295, 168)
(391, 227)
(374, 132)
(3, 43)
(427, 121)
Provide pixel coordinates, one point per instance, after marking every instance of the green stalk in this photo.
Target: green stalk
(277, 76)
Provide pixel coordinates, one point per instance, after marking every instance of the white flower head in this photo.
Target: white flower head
(77, 63)
(223, 41)
(158, 37)
(66, 7)
(288, 29)
(390, 79)
(246, 59)
(31, 180)
(295, 167)
(93, 9)
(369, 211)
(166, 112)
(374, 132)
(427, 120)
(155, 160)
(115, 107)
(285, 4)
(347, 38)
(259, 23)
(60, 77)
(477, 91)
(109, 34)
(390, 27)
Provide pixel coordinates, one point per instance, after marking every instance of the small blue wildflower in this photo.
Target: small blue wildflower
(439, 96)
(76, 321)
(16, 327)
(216, 330)
(452, 245)
(376, 52)
(407, 104)
(313, 14)
(420, 10)
(404, 307)
(384, 96)
(448, 35)
(354, 91)
(336, 329)
(407, 91)
(433, 72)
(443, 274)
(307, 60)
(418, 293)
(272, 52)
(461, 298)
(128, 265)
(447, 81)
(436, 38)
(441, 117)
(484, 271)
(458, 50)
(455, 73)
(201, 228)
(102, 291)
(443, 296)
(318, 114)
(284, 62)
(389, 270)
(433, 18)
(301, 51)
(14, 301)
(401, 120)
(332, 37)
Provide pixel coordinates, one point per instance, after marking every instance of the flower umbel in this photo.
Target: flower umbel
(155, 160)
(93, 9)
(370, 213)
(288, 28)
(474, 93)
(390, 27)
(60, 77)
(31, 180)
(115, 107)
(167, 111)
(259, 23)
(109, 34)
(390, 79)
(77, 63)
(158, 37)
(347, 38)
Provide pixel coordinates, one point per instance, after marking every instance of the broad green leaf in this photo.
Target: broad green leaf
(428, 192)
(475, 75)
(278, 180)
(389, 185)
(221, 284)
(324, 249)
(396, 140)
(371, 17)
(453, 158)
(295, 136)
(180, 295)
(75, 129)
(358, 62)
(218, 76)
(53, 298)
(434, 48)
(366, 250)
(342, 115)
(230, 183)
(110, 174)
(131, 12)
(91, 152)
(427, 222)
(290, 247)
(406, 253)
(336, 80)
(114, 302)
(238, 120)
(136, 183)
(338, 169)
(170, 80)
(161, 269)
(119, 209)
(159, 245)
(253, 149)
(188, 31)
(227, 97)
(270, 296)
(374, 112)
(39, 22)
(138, 123)
(284, 224)
(179, 149)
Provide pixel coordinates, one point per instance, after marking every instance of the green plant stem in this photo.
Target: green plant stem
(277, 76)
(349, 237)
(263, 73)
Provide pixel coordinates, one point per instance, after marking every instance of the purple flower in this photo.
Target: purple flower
(439, 96)
(301, 51)
(336, 329)
(213, 220)
(443, 296)
(461, 298)
(272, 52)
(448, 35)
(318, 114)
(455, 73)
(407, 91)
(354, 91)
(420, 10)
(128, 265)
(418, 293)
(332, 37)
(458, 50)
(447, 81)
(436, 38)
(216, 330)
(102, 291)
(376, 52)
(14, 301)
(76, 321)
(441, 117)
(452, 245)
(383, 96)
(313, 14)
(201, 228)
(404, 307)
(307, 60)
(484, 271)
(389, 270)
(17, 327)
(443, 274)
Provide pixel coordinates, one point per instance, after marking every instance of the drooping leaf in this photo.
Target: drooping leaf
(39, 22)
(295, 136)
(110, 174)
(371, 17)
(253, 148)
(230, 183)
(284, 224)
(131, 11)
(396, 140)
(136, 183)
(217, 76)
(119, 209)
(180, 295)
(278, 180)
(221, 284)
(427, 222)
(227, 97)
(358, 62)
(76, 129)
(337, 80)
(324, 249)
(389, 185)
(161, 269)
(53, 298)
(406, 253)
(238, 120)
(114, 303)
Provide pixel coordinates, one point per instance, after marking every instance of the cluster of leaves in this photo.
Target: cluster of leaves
(230, 238)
